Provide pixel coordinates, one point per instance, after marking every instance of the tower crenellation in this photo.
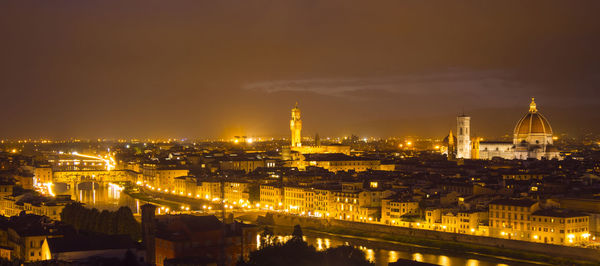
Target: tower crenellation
(296, 127)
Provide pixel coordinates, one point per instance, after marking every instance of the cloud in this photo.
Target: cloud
(471, 84)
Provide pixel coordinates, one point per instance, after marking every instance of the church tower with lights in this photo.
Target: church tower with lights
(463, 138)
(296, 127)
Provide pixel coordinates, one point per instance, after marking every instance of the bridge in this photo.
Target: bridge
(99, 176)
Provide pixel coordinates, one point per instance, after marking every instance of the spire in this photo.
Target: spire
(451, 148)
(532, 106)
(296, 105)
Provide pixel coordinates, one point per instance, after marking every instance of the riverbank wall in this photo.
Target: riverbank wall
(385, 231)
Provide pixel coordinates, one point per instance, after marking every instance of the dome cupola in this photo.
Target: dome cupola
(533, 128)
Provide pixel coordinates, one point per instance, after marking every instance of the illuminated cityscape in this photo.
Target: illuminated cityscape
(295, 133)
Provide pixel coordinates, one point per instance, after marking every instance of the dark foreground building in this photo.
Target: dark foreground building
(190, 238)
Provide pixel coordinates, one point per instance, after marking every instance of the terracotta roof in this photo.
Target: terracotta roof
(86, 243)
(514, 202)
(532, 123)
(562, 213)
(334, 157)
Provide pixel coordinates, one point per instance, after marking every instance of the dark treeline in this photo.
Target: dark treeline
(296, 252)
(120, 222)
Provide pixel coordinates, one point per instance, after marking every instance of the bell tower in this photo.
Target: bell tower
(463, 137)
(296, 127)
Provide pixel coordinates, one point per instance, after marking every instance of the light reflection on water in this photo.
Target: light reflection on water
(384, 256)
(104, 198)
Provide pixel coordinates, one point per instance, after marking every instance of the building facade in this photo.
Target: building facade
(560, 227)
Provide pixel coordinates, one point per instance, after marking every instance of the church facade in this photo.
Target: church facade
(532, 139)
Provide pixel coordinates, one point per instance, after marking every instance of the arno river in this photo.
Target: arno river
(382, 252)
(103, 198)
(379, 251)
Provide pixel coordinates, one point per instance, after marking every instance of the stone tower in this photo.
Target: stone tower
(463, 137)
(148, 232)
(296, 127)
(475, 148)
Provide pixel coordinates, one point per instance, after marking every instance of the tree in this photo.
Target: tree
(345, 255)
(125, 224)
(291, 253)
(267, 237)
(104, 222)
(120, 222)
(129, 260)
(296, 253)
(297, 234)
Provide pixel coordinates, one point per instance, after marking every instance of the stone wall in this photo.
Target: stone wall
(377, 229)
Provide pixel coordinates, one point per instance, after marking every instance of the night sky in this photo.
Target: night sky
(222, 68)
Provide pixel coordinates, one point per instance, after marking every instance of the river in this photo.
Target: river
(105, 198)
(380, 252)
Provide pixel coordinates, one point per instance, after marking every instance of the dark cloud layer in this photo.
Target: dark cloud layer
(217, 68)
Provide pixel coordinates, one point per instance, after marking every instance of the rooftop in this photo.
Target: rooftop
(86, 243)
(514, 202)
(562, 213)
(334, 157)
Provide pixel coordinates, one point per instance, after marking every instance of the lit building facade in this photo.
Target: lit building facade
(298, 200)
(162, 176)
(271, 196)
(336, 162)
(42, 174)
(560, 227)
(209, 190)
(511, 218)
(354, 203)
(392, 210)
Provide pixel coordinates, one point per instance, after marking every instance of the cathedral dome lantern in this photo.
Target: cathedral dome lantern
(533, 128)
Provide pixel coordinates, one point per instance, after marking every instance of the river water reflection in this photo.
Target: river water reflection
(378, 251)
(104, 197)
(383, 252)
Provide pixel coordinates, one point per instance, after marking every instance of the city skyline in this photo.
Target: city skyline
(336, 132)
(236, 131)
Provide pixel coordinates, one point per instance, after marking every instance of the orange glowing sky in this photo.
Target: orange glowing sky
(218, 68)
